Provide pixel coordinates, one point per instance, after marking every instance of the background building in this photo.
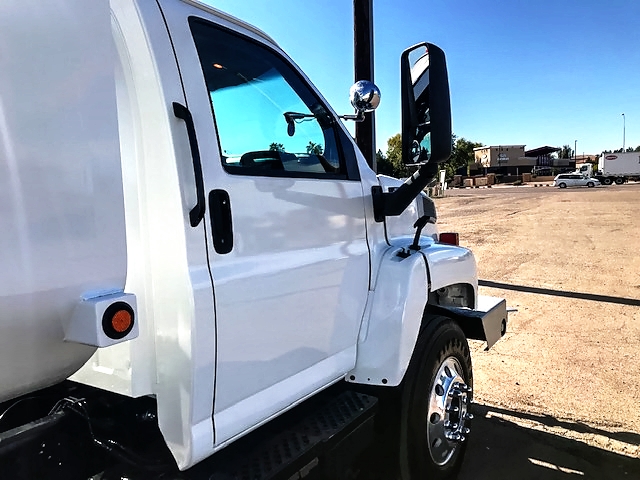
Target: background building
(515, 160)
(503, 159)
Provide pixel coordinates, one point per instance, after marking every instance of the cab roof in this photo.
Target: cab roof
(230, 18)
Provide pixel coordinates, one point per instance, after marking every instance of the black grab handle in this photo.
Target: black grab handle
(196, 214)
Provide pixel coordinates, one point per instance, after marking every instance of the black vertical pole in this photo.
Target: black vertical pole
(363, 63)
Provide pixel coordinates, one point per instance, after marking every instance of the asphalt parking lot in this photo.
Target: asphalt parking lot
(558, 397)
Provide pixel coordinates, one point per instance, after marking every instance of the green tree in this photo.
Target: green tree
(391, 163)
(276, 147)
(565, 152)
(461, 155)
(394, 149)
(314, 149)
(383, 165)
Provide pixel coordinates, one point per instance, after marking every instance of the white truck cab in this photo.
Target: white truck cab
(192, 223)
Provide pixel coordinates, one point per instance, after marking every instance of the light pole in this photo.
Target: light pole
(624, 121)
(575, 151)
(363, 69)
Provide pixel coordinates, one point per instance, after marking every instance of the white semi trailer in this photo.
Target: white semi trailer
(615, 168)
(201, 276)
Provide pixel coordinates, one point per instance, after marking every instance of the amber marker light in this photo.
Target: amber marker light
(118, 320)
(218, 66)
(121, 321)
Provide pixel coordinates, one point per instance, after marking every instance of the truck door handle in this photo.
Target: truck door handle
(221, 223)
(196, 214)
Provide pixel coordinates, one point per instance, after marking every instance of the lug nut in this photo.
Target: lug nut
(452, 409)
(462, 387)
(468, 416)
(466, 430)
(455, 393)
(450, 425)
(454, 437)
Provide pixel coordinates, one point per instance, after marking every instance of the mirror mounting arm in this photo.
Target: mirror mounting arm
(358, 117)
(394, 203)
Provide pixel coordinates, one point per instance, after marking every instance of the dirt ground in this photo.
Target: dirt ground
(558, 395)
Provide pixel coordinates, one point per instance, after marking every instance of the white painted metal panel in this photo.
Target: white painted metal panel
(61, 200)
(392, 322)
(173, 357)
(290, 295)
(450, 265)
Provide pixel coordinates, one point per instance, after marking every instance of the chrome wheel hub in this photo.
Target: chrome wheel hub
(449, 401)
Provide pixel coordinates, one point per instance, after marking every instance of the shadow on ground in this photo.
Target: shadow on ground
(503, 450)
(561, 293)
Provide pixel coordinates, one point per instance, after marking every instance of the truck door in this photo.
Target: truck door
(284, 219)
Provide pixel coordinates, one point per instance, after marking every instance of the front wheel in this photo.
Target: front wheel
(436, 395)
(591, 184)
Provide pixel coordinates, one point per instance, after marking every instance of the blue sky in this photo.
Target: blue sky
(545, 72)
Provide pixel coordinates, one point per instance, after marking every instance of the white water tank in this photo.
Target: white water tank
(61, 202)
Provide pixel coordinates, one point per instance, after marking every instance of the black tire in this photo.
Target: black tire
(439, 377)
(619, 181)
(591, 184)
(607, 181)
(562, 185)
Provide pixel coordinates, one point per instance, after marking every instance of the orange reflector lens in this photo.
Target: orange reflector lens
(118, 320)
(121, 321)
(450, 238)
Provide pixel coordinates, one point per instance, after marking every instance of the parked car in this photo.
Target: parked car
(565, 180)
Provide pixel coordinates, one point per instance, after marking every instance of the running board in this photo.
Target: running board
(319, 439)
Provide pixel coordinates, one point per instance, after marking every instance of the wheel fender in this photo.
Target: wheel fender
(392, 319)
(449, 265)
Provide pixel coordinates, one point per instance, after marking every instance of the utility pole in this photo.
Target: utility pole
(624, 122)
(363, 68)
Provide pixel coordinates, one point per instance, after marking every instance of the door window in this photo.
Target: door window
(269, 123)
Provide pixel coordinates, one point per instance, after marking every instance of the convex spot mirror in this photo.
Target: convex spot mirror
(364, 96)
(426, 107)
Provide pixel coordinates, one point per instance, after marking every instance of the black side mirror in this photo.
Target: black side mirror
(426, 125)
(426, 107)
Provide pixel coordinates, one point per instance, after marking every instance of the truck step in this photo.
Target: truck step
(300, 444)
